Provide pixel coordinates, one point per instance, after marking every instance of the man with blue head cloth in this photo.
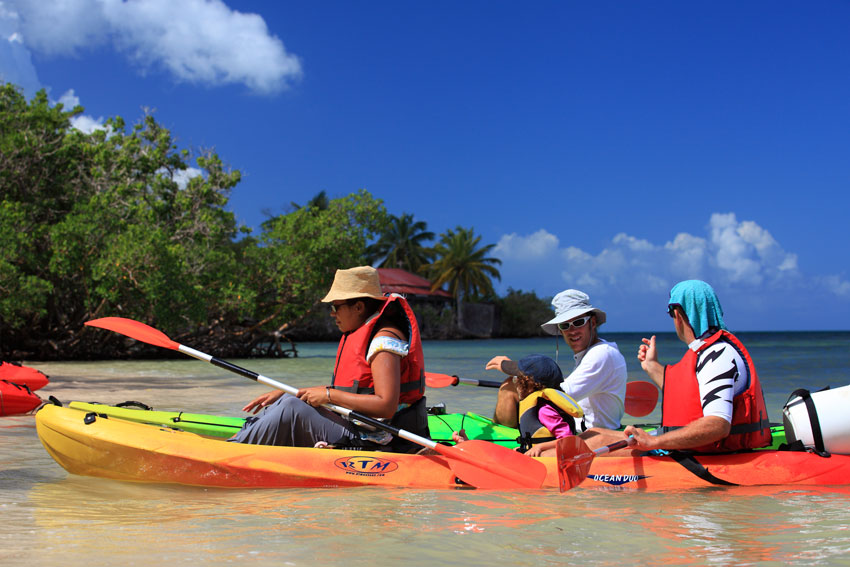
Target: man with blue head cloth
(713, 401)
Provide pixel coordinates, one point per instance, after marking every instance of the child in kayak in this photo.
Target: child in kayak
(545, 412)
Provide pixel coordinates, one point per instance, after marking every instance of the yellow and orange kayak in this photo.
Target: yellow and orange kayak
(87, 444)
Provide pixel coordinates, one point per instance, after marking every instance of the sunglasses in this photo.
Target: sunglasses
(577, 323)
(335, 306)
(671, 309)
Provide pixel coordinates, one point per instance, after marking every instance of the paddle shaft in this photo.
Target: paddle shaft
(345, 412)
(482, 383)
(641, 396)
(481, 470)
(478, 463)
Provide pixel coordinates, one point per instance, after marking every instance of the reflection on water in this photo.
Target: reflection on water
(52, 518)
(82, 519)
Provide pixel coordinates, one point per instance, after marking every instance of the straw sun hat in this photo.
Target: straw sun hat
(352, 283)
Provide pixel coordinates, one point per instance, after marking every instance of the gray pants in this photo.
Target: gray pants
(294, 423)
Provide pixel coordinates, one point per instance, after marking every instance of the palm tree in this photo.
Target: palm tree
(402, 245)
(320, 201)
(466, 269)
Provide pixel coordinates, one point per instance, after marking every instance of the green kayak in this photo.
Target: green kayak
(441, 425)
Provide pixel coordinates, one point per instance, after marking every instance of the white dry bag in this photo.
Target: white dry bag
(819, 420)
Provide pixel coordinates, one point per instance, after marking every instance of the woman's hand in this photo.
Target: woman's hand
(315, 396)
(260, 402)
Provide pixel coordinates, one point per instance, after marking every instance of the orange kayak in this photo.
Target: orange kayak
(23, 375)
(86, 444)
(16, 399)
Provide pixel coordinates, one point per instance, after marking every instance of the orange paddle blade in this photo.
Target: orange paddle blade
(574, 458)
(437, 380)
(641, 398)
(490, 466)
(134, 330)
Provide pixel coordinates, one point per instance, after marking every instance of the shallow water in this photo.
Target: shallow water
(53, 518)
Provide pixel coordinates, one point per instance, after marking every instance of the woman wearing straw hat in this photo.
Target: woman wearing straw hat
(598, 380)
(379, 372)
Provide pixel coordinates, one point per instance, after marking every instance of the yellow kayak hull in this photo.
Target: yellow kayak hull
(86, 444)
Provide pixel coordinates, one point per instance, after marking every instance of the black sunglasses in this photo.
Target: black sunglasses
(577, 323)
(671, 309)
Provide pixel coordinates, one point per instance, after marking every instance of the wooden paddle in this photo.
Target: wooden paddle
(641, 396)
(477, 463)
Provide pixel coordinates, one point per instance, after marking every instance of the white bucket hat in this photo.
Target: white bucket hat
(362, 281)
(569, 304)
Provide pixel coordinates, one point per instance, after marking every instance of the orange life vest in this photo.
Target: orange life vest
(682, 403)
(354, 374)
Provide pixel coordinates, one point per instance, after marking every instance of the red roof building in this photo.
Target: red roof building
(395, 280)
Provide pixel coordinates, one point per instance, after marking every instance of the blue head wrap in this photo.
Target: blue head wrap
(700, 304)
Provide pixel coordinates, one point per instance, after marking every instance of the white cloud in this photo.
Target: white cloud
(837, 285)
(182, 177)
(15, 59)
(196, 41)
(83, 122)
(732, 254)
(534, 246)
(747, 253)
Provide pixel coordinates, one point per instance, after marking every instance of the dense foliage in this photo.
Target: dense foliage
(521, 314)
(120, 222)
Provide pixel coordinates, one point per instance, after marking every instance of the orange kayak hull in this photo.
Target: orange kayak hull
(124, 450)
(16, 399)
(23, 375)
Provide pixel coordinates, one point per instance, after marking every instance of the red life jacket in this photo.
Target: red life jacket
(354, 374)
(682, 403)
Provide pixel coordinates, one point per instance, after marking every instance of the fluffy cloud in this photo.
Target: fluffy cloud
(732, 254)
(83, 122)
(196, 41)
(15, 59)
(536, 246)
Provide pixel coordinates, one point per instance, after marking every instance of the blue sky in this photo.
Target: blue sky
(614, 147)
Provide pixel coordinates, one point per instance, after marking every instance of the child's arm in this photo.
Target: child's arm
(538, 448)
(552, 420)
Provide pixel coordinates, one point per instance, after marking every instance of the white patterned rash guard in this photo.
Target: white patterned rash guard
(722, 374)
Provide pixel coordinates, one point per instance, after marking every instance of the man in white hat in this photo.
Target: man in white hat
(598, 380)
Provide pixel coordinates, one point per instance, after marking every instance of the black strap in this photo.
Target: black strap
(817, 434)
(743, 428)
(689, 462)
(134, 404)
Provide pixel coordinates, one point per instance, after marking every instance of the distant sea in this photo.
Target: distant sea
(53, 518)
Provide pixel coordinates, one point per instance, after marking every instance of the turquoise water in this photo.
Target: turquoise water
(53, 518)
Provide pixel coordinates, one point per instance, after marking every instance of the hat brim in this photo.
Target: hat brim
(342, 295)
(551, 326)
